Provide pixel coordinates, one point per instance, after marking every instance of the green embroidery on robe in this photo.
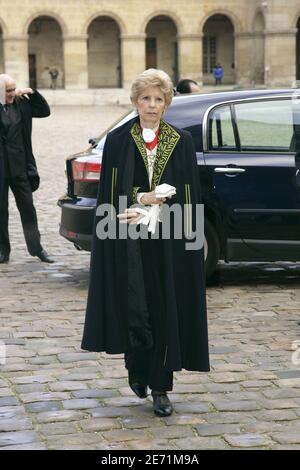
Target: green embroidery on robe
(167, 141)
(113, 185)
(137, 137)
(134, 194)
(188, 210)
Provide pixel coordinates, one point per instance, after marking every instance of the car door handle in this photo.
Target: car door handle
(229, 170)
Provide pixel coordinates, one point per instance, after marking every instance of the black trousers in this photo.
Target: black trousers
(143, 366)
(23, 195)
(148, 365)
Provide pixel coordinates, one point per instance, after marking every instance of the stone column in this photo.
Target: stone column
(280, 58)
(15, 50)
(133, 57)
(75, 62)
(190, 56)
(243, 58)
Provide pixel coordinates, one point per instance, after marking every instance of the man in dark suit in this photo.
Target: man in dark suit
(18, 169)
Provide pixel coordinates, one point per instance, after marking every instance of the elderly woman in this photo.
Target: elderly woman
(147, 293)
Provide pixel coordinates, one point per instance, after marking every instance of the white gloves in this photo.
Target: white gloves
(151, 213)
(165, 190)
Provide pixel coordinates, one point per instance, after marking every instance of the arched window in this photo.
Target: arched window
(45, 49)
(161, 46)
(104, 56)
(218, 48)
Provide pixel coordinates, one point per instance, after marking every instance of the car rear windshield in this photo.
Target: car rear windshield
(123, 120)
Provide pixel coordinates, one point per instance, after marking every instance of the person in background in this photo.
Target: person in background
(147, 294)
(18, 169)
(187, 85)
(53, 72)
(218, 73)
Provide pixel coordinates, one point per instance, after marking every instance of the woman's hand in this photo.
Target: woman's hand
(129, 216)
(150, 198)
(20, 92)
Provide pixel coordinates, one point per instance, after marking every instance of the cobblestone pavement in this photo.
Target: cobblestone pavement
(55, 396)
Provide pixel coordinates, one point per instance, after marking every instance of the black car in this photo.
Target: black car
(247, 145)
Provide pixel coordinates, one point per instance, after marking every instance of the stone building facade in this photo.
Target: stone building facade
(105, 43)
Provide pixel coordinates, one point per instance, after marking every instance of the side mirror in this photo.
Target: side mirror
(93, 142)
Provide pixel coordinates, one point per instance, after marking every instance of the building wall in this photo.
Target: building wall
(258, 51)
(276, 43)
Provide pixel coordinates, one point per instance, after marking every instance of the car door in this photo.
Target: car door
(251, 154)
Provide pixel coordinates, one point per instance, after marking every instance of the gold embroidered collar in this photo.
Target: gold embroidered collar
(168, 139)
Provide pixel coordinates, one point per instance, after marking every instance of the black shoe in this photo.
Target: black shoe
(139, 389)
(4, 258)
(43, 255)
(161, 404)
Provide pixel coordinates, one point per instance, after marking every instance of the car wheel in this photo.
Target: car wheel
(211, 248)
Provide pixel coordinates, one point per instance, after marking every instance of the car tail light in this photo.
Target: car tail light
(84, 170)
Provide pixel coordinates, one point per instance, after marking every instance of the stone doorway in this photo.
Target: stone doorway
(218, 48)
(45, 52)
(161, 46)
(104, 53)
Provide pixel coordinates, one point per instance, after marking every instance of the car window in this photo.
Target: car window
(265, 126)
(221, 134)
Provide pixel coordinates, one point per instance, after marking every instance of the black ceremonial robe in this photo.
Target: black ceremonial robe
(126, 274)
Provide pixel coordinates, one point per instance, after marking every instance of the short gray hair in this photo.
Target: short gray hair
(7, 79)
(152, 77)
